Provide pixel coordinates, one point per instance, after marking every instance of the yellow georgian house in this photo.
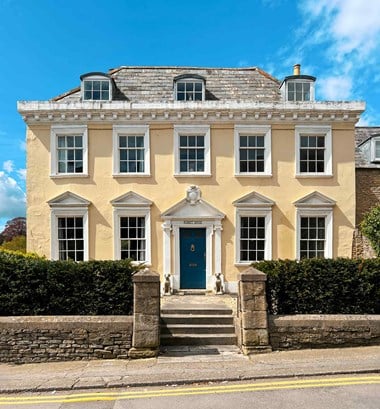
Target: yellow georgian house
(196, 172)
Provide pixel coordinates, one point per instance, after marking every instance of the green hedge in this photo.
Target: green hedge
(322, 286)
(36, 286)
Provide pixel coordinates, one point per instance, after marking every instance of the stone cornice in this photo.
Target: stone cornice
(179, 112)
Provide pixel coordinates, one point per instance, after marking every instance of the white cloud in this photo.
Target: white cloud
(335, 88)
(21, 173)
(22, 145)
(12, 198)
(8, 166)
(348, 33)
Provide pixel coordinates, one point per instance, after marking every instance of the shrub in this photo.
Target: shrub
(18, 243)
(322, 286)
(35, 286)
(370, 227)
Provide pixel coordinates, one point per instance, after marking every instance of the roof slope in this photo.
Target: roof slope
(363, 135)
(155, 84)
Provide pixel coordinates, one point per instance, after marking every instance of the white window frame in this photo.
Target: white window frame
(97, 78)
(306, 130)
(316, 212)
(130, 130)
(189, 80)
(203, 130)
(302, 81)
(67, 130)
(67, 212)
(254, 130)
(132, 212)
(375, 140)
(252, 212)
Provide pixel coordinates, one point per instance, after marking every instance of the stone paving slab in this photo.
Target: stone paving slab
(226, 365)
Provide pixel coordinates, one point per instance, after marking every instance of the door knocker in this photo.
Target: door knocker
(192, 248)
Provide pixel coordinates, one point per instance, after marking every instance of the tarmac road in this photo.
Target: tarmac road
(328, 392)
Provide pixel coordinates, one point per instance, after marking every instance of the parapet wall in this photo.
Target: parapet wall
(323, 331)
(64, 338)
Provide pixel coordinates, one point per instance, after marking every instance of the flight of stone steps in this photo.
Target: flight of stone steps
(197, 325)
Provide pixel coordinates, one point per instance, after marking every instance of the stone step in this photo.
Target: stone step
(175, 329)
(197, 319)
(198, 339)
(197, 311)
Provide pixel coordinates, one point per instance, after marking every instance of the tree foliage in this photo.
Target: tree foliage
(13, 228)
(18, 243)
(370, 227)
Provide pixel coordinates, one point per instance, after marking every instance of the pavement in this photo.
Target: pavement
(187, 365)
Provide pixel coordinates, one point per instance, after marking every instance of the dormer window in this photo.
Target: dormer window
(189, 88)
(375, 147)
(297, 87)
(96, 87)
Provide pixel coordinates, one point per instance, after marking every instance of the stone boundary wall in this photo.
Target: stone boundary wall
(64, 338)
(361, 247)
(323, 331)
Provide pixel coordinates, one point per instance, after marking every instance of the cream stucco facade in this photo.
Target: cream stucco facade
(283, 193)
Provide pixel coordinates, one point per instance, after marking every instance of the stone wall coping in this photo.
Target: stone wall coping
(146, 276)
(68, 322)
(304, 320)
(252, 274)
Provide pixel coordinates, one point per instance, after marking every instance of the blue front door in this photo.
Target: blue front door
(193, 258)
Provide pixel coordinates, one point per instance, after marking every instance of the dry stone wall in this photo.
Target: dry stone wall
(323, 331)
(64, 338)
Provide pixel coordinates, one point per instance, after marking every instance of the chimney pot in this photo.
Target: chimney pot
(297, 69)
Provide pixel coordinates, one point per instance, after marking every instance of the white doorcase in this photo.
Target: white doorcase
(171, 240)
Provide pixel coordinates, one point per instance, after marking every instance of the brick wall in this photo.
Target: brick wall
(367, 191)
(322, 331)
(64, 338)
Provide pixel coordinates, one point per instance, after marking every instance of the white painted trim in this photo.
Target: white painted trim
(209, 226)
(67, 212)
(97, 78)
(231, 286)
(259, 130)
(67, 130)
(316, 212)
(192, 80)
(127, 130)
(218, 248)
(253, 212)
(305, 130)
(375, 140)
(284, 90)
(203, 130)
(167, 230)
(132, 212)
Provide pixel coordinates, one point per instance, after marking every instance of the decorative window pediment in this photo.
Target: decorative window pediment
(253, 228)
(193, 207)
(315, 200)
(253, 200)
(68, 199)
(131, 199)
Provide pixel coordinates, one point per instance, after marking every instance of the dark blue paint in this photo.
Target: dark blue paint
(193, 258)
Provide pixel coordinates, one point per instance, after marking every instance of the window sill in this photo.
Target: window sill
(192, 175)
(253, 175)
(131, 175)
(69, 175)
(243, 264)
(313, 175)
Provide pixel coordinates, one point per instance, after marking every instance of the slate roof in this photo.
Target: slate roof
(155, 84)
(363, 135)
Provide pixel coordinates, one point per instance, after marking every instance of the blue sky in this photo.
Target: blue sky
(45, 45)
